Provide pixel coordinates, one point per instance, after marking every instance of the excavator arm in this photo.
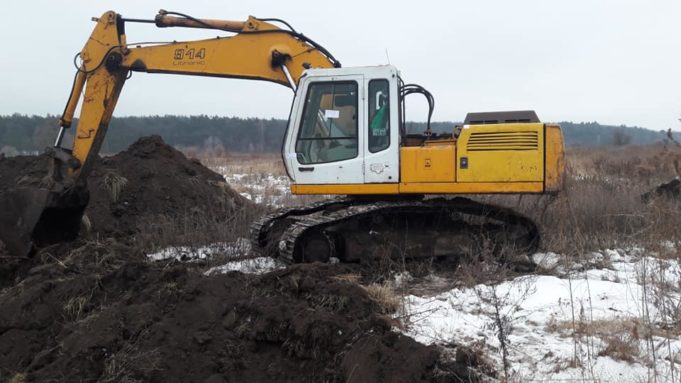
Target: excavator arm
(258, 50)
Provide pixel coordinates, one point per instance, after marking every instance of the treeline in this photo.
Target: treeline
(33, 133)
(26, 134)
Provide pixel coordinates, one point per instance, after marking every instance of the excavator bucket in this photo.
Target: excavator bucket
(42, 213)
(21, 210)
(39, 217)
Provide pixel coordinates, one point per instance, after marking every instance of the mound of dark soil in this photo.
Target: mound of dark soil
(101, 313)
(15, 170)
(152, 187)
(147, 195)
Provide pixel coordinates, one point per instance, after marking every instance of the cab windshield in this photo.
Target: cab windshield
(328, 130)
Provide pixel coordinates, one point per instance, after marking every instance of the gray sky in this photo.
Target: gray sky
(611, 61)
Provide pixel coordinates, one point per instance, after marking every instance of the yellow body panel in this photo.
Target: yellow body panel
(420, 188)
(428, 163)
(555, 158)
(502, 158)
(471, 188)
(501, 153)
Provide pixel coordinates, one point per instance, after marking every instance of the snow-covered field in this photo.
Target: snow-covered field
(600, 324)
(268, 189)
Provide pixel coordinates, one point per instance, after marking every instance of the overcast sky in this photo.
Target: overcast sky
(611, 61)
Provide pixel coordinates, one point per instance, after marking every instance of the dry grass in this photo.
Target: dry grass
(385, 296)
(114, 184)
(244, 163)
(349, 278)
(621, 338)
(18, 378)
(75, 308)
(601, 206)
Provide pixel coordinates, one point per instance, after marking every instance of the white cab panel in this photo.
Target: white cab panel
(324, 144)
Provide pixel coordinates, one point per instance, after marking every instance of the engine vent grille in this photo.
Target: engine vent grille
(488, 141)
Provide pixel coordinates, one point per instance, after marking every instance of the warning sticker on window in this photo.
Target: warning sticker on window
(331, 113)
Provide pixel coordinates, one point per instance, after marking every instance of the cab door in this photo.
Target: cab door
(327, 146)
(381, 159)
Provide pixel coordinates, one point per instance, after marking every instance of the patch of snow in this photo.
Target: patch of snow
(258, 265)
(265, 189)
(240, 247)
(547, 261)
(540, 314)
(237, 249)
(402, 278)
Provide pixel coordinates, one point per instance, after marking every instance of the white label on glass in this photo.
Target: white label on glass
(331, 113)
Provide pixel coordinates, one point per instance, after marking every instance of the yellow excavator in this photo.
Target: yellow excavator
(346, 136)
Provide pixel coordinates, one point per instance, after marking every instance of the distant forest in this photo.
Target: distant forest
(30, 134)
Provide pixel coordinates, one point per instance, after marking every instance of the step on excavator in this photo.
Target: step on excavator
(346, 136)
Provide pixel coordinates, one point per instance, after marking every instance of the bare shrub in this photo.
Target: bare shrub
(621, 347)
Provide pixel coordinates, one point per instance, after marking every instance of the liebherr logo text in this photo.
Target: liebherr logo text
(191, 56)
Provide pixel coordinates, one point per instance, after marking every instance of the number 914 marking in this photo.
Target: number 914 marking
(190, 54)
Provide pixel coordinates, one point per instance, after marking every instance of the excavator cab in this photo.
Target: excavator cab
(343, 128)
(347, 135)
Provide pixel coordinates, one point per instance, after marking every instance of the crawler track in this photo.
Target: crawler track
(352, 228)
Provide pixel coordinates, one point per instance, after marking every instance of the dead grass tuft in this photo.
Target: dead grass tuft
(349, 278)
(18, 378)
(386, 298)
(75, 308)
(621, 347)
(114, 184)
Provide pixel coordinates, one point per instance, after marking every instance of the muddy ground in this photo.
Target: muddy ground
(97, 310)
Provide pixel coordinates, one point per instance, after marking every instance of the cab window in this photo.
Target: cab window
(328, 130)
(379, 115)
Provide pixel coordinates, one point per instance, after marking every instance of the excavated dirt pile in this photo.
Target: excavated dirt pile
(149, 194)
(100, 312)
(151, 189)
(97, 309)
